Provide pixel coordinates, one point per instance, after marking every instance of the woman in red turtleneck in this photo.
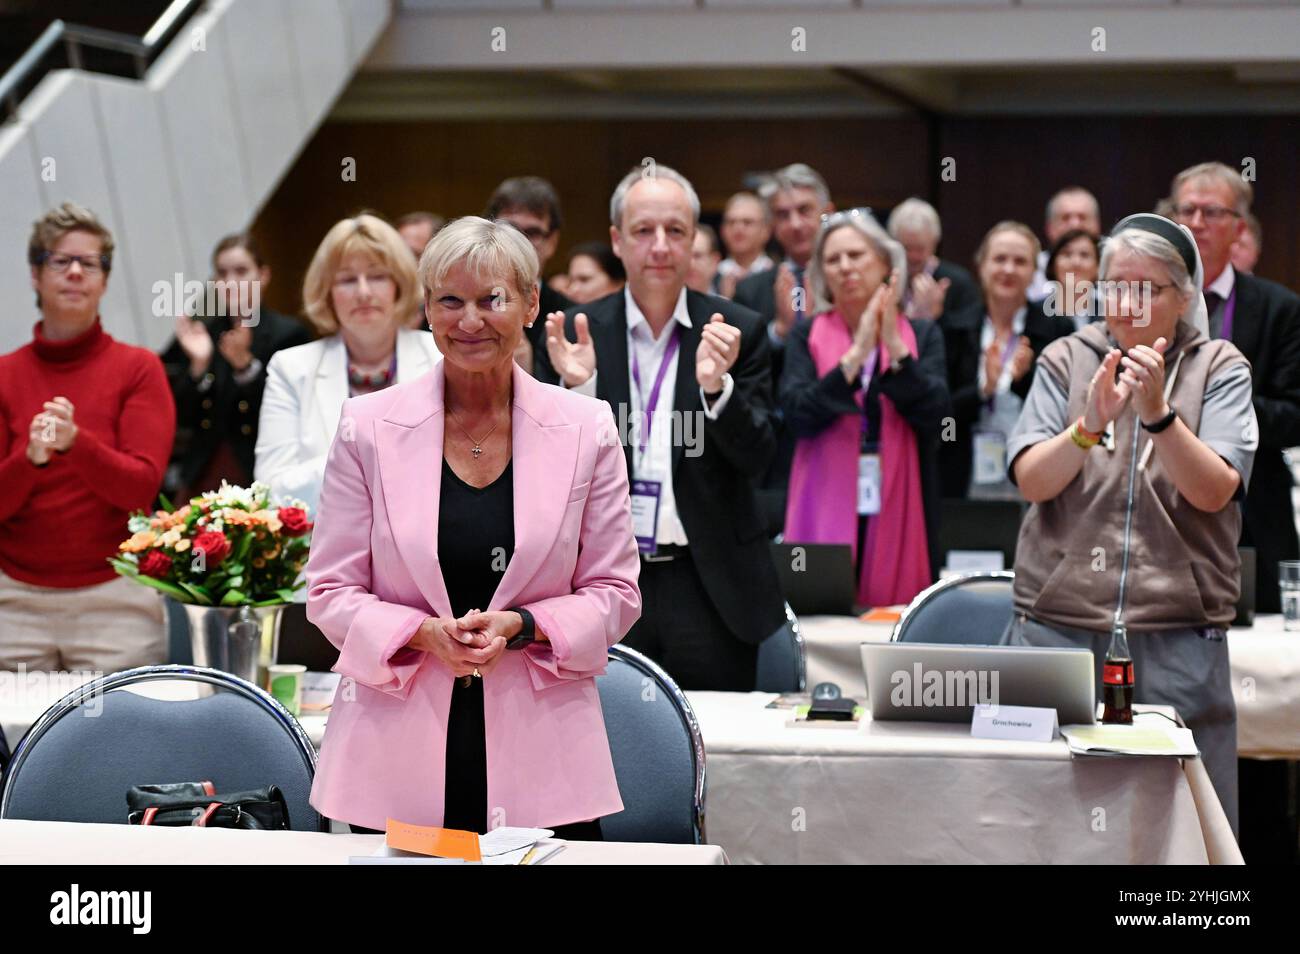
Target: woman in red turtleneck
(87, 424)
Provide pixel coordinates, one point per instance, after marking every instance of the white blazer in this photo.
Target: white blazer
(305, 389)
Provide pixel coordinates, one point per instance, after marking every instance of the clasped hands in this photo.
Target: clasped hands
(470, 645)
(1141, 379)
(52, 429)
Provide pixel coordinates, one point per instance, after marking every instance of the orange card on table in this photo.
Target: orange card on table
(437, 842)
(881, 614)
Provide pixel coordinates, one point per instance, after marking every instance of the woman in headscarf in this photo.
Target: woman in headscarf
(863, 389)
(1136, 437)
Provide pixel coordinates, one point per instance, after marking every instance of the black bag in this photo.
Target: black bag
(184, 804)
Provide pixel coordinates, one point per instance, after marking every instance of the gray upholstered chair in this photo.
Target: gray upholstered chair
(974, 608)
(658, 753)
(78, 760)
(781, 665)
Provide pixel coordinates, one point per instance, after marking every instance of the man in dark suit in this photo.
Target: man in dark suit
(687, 377)
(1262, 319)
(935, 287)
(532, 205)
(797, 198)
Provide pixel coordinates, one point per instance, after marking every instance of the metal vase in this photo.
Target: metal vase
(241, 640)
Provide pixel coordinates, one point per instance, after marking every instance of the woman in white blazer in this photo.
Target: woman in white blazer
(361, 290)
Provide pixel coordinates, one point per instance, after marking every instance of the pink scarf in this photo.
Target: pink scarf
(822, 505)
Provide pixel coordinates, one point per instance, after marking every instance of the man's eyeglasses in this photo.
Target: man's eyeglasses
(1212, 213)
(860, 214)
(90, 264)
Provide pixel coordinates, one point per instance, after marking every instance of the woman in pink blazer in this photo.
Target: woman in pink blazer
(473, 560)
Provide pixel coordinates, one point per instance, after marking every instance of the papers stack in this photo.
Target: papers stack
(1150, 734)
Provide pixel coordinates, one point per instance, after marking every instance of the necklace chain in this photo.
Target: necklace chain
(477, 449)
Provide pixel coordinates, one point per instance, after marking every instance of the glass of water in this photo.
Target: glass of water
(1288, 578)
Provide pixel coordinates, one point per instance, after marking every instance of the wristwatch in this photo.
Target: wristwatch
(527, 633)
(1155, 427)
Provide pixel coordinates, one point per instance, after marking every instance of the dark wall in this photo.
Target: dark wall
(1005, 168)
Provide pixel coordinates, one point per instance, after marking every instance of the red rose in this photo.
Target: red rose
(294, 521)
(214, 545)
(157, 564)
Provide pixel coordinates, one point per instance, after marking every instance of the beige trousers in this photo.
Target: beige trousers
(106, 627)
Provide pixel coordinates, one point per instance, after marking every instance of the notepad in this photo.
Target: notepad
(1149, 735)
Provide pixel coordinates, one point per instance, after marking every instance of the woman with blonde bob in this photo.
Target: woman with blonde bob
(863, 389)
(473, 561)
(361, 292)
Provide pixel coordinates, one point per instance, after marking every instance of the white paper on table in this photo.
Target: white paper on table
(501, 840)
(1150, 734)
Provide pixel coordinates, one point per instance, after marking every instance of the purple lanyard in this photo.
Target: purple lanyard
(1228, 309)
(1007, 352)
(648, 414)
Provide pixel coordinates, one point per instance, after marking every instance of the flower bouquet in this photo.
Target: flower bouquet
(227, 547)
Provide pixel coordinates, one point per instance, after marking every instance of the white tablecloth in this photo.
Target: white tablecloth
(1265, 675)
(72, 843)
(929, 793)
(900, 792)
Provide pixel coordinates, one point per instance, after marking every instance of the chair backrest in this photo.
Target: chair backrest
(973, 608)
(781, 663)
(658, 753)
(78, 760)
(4, 753)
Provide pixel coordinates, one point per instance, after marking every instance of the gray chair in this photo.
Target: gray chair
(781, 665)
(78, 760)
(974, 608)
(658, 753)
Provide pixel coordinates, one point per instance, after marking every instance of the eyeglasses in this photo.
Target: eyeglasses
(1212, 213)
(860, 214)
(90, 264)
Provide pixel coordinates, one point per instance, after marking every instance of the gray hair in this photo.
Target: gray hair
(1151, 246)
(651, 170)
(1071, 190)
(889, 251)
(915, 215)
(795, 176)
(1242, 192)
(485, 248)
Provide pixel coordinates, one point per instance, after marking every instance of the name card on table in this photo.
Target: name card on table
(974, 561)
(1021, 723)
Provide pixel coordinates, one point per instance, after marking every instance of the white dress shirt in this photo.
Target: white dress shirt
(656, 463)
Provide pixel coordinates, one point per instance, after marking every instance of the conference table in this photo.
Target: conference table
(880, 793)
(78, 843)
(1265, 663)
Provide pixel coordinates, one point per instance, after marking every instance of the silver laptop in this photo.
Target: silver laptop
(943, 682)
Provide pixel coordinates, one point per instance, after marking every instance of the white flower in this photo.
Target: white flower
(137, 524)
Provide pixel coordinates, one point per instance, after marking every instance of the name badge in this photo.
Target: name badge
(645, 513)
(990, 457)
(868, 484)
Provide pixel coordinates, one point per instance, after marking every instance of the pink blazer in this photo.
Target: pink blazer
(373, 577)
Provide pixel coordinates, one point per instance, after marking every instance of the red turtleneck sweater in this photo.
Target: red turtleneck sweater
(60, 523)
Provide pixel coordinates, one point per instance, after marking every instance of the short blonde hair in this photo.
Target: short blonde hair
(369, 235)
(58, 222)
(1007, 225)
(486, 248)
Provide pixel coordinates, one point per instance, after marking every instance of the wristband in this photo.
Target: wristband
(1082, 437)
(1160, 425)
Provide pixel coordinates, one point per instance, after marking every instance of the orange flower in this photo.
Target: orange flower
(139, 541)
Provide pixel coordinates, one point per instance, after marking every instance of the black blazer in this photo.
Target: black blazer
(961, 333)
(918, 390)
(715, 499)
(548, 300)
(1266, 329)
(226, 411)
(963, 292)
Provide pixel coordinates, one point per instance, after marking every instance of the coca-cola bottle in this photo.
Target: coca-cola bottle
(1117, 680)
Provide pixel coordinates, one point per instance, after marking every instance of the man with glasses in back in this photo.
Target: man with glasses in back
(87, 426)
(1262, 319)
(532, 205)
